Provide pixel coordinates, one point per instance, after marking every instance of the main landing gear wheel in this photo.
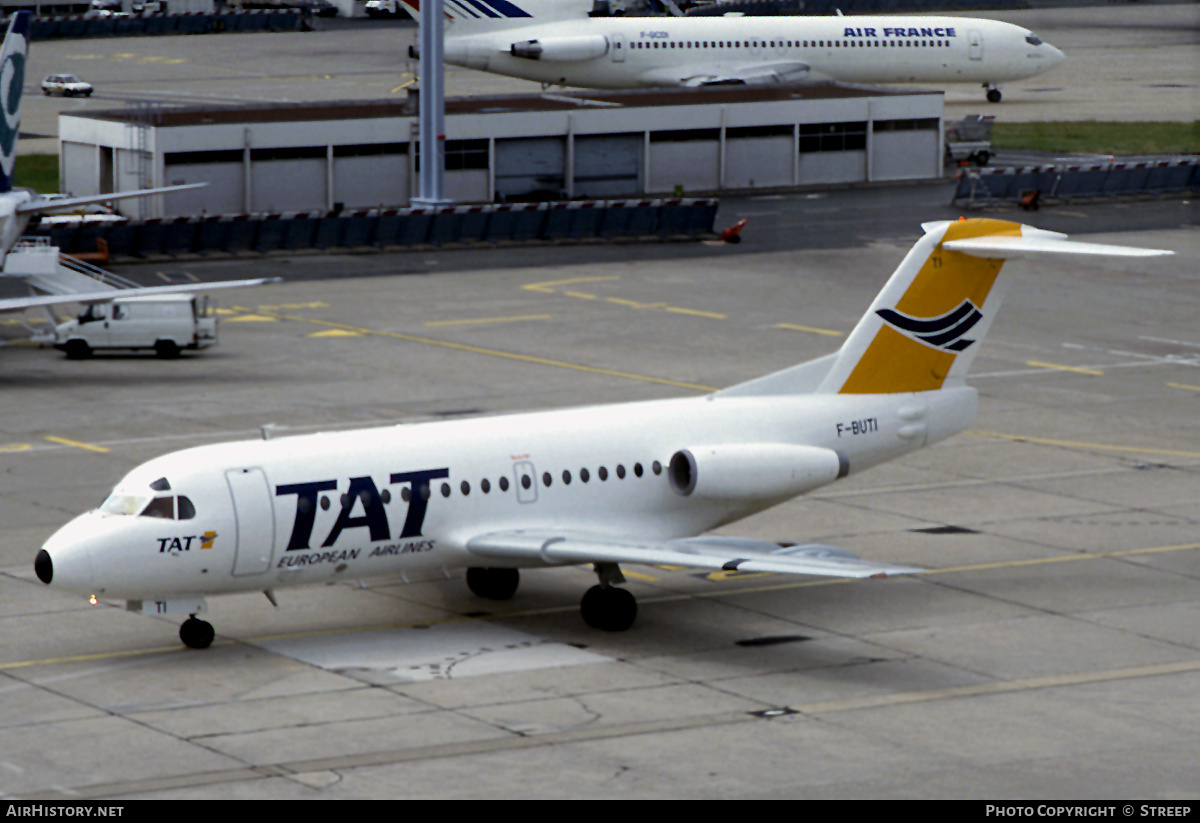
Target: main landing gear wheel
(494, 584)
(196, 634)
(608, 608)
(993, 95)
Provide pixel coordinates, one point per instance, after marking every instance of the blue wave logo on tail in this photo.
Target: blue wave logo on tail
(943, 332)
(480, 9)
(12, 85)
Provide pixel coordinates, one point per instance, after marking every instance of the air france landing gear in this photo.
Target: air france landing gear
(196, 634)
(606, 607)
(993, 93)
(494, 584)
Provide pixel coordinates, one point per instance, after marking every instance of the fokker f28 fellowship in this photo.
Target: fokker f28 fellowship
(600, 485)
(554, 42)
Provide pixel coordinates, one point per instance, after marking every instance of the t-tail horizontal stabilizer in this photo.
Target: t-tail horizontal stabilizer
(925, 327)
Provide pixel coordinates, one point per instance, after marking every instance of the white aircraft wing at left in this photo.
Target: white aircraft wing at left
(789, 71)
(720, 553)
(38, 301)
(41, 204)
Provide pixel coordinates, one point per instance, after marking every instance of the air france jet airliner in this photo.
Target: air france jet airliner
(600, 485)
(18, 206)
(554, 42)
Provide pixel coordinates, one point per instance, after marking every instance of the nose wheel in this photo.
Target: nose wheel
(196, 634)
(606, 607)
(993, 93)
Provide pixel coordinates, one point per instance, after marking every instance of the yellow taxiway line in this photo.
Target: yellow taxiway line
(88, 446)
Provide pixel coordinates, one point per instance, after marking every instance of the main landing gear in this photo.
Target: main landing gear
(603, 607)
(993, 93)
(196, 634)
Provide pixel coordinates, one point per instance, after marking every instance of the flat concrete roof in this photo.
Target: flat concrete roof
(490, 104)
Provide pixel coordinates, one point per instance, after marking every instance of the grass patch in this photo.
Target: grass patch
(38, 172)
(1099, 137)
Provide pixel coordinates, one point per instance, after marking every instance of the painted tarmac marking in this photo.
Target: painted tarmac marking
(668, 598)
(334, 333)
(491, 745)
(809, 329)
(1060, 367)
(547, 286)
(482, 320)
(252, 318)
(1045, 441)
(88, 446)
(523, 358)
(1183, 386)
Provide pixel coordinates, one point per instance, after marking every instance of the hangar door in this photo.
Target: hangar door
(608, 165)
(530, 169)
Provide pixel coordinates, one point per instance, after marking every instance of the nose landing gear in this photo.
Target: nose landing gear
(993, 93)
(196, 634)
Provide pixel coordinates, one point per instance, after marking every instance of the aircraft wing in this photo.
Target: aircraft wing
(717, 553)
(788, 71)
(39, 204)
(37, 301)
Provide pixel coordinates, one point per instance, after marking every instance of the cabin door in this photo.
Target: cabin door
(975, 44)
(617, 48)
(254, 518)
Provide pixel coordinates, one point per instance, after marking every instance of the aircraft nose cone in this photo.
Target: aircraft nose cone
(43, 566)
(1057, 58)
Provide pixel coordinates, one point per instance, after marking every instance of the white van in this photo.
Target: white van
(168, 324)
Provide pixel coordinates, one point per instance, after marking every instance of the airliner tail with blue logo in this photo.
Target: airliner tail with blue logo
(13, 57)
(632, 483)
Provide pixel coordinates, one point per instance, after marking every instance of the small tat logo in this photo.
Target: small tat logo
(944, 332)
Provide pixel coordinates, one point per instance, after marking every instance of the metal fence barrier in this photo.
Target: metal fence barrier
(1066, 183)
(52, 28)
(578, 220)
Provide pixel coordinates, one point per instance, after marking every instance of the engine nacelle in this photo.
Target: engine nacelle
(754, 470)
(562, 49)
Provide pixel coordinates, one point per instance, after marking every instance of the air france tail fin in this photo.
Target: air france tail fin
(924, 329)
(13, 55)
(472, 16)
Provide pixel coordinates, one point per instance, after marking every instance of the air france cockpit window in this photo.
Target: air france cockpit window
(1033, 40)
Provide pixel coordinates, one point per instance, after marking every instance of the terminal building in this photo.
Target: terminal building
(550, 146)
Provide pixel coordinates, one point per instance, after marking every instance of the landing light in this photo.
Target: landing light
(92, 600)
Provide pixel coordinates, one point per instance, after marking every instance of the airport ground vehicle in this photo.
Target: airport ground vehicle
(168, 324)
(382, 8)
(970, 139)
(66, 85)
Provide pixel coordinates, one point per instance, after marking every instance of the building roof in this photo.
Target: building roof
(486, 104)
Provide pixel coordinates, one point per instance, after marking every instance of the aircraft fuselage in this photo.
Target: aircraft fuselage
(633, 52)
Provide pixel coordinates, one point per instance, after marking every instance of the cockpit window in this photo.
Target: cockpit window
(124, 503)
(186, 510)
(163, 507)
(161, 485)
(1033, 40)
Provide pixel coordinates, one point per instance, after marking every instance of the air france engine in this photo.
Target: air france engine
(562, 49)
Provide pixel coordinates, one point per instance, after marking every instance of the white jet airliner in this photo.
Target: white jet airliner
(18, 206)
(553, 42)
(602, 485)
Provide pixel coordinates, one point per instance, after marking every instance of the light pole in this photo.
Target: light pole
(432, 107)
